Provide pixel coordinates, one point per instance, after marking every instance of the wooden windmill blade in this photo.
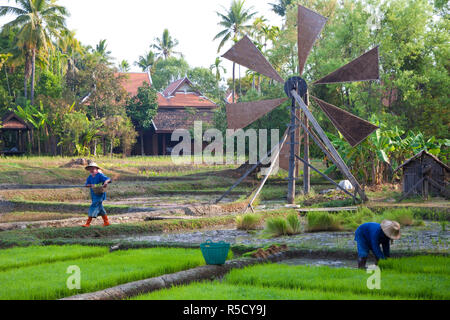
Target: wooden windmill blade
(354, 129)
(363, 68)
(310, 25)
(241, 115)
(248, 55)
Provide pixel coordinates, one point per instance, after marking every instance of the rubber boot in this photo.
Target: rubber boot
(105, 221)
(362, 263)
(88, 223)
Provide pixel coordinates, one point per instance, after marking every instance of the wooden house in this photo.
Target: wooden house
(179, 106)
(425, 174)
(13, 132)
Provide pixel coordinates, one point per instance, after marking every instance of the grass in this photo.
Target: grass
(48, 281)
(28, 216)
(224, 291)
(31, 256)
(249, 221)
(334, 280)
(421, 264)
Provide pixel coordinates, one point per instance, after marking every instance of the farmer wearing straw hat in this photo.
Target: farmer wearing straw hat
(370, 236)
(98, 183)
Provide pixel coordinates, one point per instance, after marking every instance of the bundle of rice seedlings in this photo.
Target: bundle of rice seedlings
(249, 221)
(323, 221)
(276, 227)
(293, 224)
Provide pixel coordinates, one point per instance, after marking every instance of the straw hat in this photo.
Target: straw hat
(391, 229)
(92, 165)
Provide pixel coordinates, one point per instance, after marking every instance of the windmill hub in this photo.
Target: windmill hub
(298, 84)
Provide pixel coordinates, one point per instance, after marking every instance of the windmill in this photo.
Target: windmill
(354, 129)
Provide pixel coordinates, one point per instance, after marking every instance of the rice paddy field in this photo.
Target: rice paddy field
(40, 273)
(402, 279)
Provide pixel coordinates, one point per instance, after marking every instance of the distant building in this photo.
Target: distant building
(179, 106)
(13, 133)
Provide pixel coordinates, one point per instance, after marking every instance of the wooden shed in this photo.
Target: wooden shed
(13, 135)
(425, 174)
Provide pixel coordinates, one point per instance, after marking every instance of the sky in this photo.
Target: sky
(131, 26)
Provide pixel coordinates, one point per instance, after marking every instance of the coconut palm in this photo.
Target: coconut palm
(236, 23)
(165, 45)
(146, 62)
(102, 52)
(217, 68)
(38, 21)
(124, 66)
(280, 8)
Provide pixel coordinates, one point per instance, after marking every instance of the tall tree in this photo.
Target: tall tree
(39, 21)
(165, 46)
(236, 23)
(102, 52)
(146, 62)
(142, 108)
(280, 8)
(124, 66)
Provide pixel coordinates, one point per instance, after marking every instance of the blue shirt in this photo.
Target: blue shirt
(372, 236)
(99, 178)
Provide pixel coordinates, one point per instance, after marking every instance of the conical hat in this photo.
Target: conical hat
(92, 165)
(391, 229)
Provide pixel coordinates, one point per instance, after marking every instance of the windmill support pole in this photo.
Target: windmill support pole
(326, 177)
(238, 182)
(339, 161)
(306, 171)
(272, 166)
(292, 160)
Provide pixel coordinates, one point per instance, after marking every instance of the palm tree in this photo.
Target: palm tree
(235, 21)
(165, 46)
(102, 52)
(124, 66)
(280, 8)
(217, 68)
(38, 21)
(146, 62)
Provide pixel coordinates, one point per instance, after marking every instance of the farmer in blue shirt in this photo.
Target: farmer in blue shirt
(370, 236)
(97, 178)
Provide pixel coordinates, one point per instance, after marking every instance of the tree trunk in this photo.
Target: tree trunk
(112, 147)
(33, 74)
(142, 144)
(25, 87)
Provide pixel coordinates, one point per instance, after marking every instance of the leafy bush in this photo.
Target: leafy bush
(323, 221)
(249, 221)
(294, 225)
(276, 227)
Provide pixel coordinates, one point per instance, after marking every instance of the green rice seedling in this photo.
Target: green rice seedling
(294, 225)
(48, 281)
(276, 227)
(404, 216)
(341, 280)
(223, 291)
(422, 264)
(30, 256)
(323, 221)
(249, 221)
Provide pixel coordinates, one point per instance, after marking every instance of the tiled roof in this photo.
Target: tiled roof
(132, 81)
(173, 87)
(185, 100)
(169, 120)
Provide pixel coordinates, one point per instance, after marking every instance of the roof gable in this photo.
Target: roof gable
(13, 122)
(420, 154)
